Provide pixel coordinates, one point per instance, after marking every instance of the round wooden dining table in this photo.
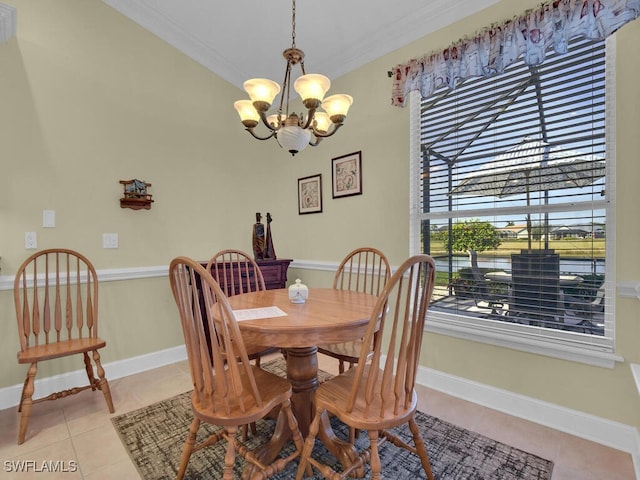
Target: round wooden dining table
(328, 316)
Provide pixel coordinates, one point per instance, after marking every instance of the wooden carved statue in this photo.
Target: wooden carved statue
(258, 238)
(269, 251)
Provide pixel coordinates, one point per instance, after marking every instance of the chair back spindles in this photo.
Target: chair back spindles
(236, 272)
(364, 270)
(56, 298)
(401, 313)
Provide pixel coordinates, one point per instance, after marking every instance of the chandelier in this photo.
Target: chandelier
(293, 132)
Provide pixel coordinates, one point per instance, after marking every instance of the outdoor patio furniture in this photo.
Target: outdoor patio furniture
(588, 314)
(506, 278)
(536, 286)
(485, 293)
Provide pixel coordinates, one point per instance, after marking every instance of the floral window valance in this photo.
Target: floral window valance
(529, 35)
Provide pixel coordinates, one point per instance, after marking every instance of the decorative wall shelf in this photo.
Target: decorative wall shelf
(135, 195)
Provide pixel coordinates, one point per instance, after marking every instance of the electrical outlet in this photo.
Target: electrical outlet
(30, 241)
(109, 240)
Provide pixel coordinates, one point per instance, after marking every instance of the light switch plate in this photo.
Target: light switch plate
(109, 240)
(49, 218)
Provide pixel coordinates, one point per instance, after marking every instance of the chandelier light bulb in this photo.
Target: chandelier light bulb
(273, 119)
(261, 90)
(322, 122)
(312, 86)
(337, 105)
(247, 112)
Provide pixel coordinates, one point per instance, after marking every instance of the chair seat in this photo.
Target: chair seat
(348, 351)
(230, 410)
(60, 349)
(334, 394)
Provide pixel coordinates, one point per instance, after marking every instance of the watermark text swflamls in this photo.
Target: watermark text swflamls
(40, 466)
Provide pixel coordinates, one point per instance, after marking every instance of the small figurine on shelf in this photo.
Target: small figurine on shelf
(269, 251)
(258, 238)
(135, 194)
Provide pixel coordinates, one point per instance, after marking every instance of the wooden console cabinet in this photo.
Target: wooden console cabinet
(273, 271)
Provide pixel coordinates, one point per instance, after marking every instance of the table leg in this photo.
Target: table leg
(302, 371)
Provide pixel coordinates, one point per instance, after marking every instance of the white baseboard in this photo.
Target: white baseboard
(606, 432)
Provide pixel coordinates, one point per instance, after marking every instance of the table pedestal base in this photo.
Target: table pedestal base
(302, 372)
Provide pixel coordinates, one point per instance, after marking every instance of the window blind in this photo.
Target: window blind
(521, 159)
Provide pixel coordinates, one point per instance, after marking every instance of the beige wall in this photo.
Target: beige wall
(89, 98)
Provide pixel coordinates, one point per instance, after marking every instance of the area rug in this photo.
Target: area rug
(154, 436)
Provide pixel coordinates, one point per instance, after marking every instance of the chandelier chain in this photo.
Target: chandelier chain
(293, 24)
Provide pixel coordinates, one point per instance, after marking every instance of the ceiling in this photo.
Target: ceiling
(241, 39)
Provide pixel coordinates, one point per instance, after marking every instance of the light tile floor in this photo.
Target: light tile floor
(77, 430)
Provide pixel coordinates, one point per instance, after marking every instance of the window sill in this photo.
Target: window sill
(635, 370)
(598, 356)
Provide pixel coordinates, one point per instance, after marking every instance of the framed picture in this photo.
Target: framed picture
(346, 175)
(310, 194)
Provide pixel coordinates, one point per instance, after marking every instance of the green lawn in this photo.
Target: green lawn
(570, 247)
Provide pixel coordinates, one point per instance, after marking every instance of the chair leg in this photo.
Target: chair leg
(245, 431)
(24, 387)
(26, 401)
(89, 369)
(188, 448)
(103, 384)
(230, 455)
(293, 426)
(340, 366)
(304, 463)
(374, 462)
(420, 448)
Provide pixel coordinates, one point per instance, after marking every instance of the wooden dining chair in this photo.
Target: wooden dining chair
(228, 391)
(56, 300)
(236, 272)
(365, 270)
(379, 393)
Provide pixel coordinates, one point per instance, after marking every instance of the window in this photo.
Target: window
(512, 195)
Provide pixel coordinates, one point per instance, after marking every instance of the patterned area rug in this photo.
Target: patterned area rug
(154, 436)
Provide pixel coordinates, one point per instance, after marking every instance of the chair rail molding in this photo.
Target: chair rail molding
(108, 275)
(8, 22)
